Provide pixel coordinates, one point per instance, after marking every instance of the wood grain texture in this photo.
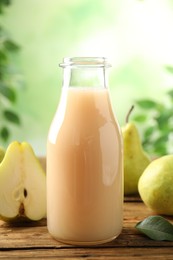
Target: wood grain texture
(32, 240)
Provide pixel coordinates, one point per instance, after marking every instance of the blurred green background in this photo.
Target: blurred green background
(136, 36)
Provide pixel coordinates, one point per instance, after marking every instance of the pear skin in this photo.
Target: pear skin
(2, 154)
(22, 184)
(135, 158)
(156, 185)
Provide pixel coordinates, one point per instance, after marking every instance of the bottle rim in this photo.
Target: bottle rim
(87, 62)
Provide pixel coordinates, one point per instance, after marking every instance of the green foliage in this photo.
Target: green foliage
(8, 84)
(156, 123)
(3, 3)
(169, 68)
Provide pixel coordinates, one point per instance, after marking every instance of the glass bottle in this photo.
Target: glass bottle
(84, 158)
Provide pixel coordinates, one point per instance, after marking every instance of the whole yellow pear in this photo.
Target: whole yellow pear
(156, 185)
(135, 158)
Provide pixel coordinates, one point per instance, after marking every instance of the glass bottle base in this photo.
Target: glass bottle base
(85, 243)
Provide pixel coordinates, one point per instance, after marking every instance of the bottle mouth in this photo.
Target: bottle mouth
(87, 62)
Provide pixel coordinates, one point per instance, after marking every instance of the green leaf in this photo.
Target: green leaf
(156, 228)
(3, 57)
(4, 132)
(147, 103)
(10, 45)
(7, 92)
(2, 3)
(169, 68)
(163, 117)
(149, 131)
(170, 93)
(160, 151)
(160, 148)
(5, 2)
(11, 116)
(140, 118)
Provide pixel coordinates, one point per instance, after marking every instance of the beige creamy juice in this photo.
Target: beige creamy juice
(84, 169)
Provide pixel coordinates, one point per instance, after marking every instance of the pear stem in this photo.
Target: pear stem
(129, 113)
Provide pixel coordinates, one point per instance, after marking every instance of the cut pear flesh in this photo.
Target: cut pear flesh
(22, 184)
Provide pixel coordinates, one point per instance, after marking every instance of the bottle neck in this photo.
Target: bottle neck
(85, 77)
(85, 72)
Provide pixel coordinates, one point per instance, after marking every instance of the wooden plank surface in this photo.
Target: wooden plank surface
(32, 240)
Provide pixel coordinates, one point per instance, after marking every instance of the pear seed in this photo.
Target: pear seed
(25, 193)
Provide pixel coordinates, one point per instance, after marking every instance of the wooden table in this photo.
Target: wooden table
(32, 241)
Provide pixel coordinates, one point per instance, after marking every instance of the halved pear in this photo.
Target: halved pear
(22, 184)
